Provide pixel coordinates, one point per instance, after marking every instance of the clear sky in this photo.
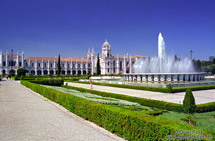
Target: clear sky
(71, 27)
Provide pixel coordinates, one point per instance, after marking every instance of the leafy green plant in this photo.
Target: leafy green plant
(21, 71)
(122, 122)
(22, 77)
(189, 102)
(48, 82)
(190, 120)
(169, 87)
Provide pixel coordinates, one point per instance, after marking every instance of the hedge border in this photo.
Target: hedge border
(125, 123)
(201, 108)
(153, 89)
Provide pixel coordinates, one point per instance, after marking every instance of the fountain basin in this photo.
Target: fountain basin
(164, 77)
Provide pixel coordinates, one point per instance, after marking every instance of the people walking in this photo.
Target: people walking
(91, 84)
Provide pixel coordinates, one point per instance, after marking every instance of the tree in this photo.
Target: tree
(214, 61)
(58, 66)
(21, 71)
(198, 65)
(98, 68)
(189, 102)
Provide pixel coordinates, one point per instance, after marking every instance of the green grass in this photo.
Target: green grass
(203, 120)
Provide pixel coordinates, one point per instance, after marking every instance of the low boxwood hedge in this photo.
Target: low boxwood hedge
(201, 108)
(169, 89)
(48, 82)
(124, 123)
(154, 89)
(143, 101)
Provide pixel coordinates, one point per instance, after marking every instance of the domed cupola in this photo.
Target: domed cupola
(106, 51)
(106, 45)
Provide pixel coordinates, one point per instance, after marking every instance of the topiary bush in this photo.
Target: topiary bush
(169, 87)
(189, 102)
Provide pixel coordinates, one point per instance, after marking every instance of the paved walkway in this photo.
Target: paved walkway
(201, 97)
(25, 115)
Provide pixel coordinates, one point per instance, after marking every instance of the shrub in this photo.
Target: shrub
(169, 87)
(142, 101)
(124, 123)
(189, 102)
(190, 120)
(21, 71)
(22, 77)
(207, 107)
(48, 82)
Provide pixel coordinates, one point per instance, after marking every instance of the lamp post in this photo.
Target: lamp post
(191, 52)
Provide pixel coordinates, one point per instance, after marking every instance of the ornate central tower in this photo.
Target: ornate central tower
(106, 51)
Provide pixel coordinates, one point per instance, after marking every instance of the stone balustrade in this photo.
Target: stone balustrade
(162, 77)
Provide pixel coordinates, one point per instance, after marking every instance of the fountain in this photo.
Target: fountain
(164, 68)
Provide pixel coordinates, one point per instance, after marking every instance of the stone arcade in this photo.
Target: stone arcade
(109, 63)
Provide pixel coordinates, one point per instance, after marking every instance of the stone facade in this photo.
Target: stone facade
(109, 63)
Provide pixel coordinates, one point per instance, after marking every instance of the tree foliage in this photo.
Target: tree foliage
(98, 67)
(58, 66)
(189, 103)
(21, 71)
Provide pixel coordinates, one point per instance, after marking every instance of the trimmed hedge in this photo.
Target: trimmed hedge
(193, 88)
(154, 89)
(124, 123)
(207, 107)
(143, 101)
(201, 108)
(48, 82)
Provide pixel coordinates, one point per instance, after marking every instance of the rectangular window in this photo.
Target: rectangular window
(26, 64)
(4, 64)
(20, 63)
(39, 64)
(51, 64)
(32, 64)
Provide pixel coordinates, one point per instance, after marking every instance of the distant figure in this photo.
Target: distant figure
(7, 77)
(91, 84)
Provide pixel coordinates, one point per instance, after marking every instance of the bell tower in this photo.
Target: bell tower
(106, 50)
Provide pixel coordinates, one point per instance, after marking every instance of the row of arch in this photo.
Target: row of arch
(63, 72)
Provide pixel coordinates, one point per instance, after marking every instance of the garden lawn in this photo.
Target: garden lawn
(203, 120)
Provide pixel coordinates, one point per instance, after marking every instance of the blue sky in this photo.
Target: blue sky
(71, 27)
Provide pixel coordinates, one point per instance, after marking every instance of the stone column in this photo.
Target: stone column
(76, 67)
(86, 68)
(48, 67)
(6, 61)
(42, 66)
(130, 62)
(54, 67)
(124, 68)
(81, 68)
(35, 67)
(17, 60)
(66, 66)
